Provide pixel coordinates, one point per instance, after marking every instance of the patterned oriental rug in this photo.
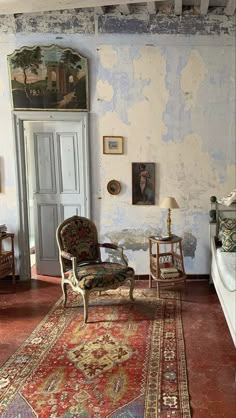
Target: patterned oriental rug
(127, 362)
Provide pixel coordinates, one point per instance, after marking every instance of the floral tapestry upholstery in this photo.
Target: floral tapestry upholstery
(101, 275)
(226, 224)
(81, 263)
(79, 238)
(229, 240)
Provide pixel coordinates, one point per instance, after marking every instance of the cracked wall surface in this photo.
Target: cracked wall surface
(173, 101)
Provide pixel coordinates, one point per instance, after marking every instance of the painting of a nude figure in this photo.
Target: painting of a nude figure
(143, 183)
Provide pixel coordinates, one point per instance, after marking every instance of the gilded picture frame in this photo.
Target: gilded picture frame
(113, 145)
(48, 78)
(114, 187)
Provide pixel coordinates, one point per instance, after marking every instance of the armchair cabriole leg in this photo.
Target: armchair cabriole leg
(131, 289)
(64, 292)
(85, 296)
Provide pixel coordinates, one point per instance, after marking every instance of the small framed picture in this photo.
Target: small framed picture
(113, 145)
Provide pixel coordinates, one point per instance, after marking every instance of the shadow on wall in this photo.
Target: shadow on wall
(189, 244)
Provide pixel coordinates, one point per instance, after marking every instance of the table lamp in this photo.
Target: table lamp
(169, 203)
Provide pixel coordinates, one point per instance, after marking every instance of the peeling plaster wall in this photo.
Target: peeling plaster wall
(173, 100)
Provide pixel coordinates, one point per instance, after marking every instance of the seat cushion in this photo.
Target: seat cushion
(103, 275)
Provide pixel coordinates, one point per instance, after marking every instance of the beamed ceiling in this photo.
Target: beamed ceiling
(122, 7)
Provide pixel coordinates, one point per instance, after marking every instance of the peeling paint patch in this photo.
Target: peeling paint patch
(191, 78)
(151, 66)
(189, 244)
(189, 164)
(122, 24)
(7, 24)
(192, 25)
(66, 21)
(105, 91)
(108, 56)
(171, 24)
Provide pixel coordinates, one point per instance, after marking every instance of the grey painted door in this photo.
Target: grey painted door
(57, 159)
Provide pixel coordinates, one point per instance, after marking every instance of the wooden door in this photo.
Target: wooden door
(57, 169)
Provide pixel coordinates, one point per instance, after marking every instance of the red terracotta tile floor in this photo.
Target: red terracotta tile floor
(210, 353)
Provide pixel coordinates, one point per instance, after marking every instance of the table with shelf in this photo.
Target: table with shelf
(7, 257)
(166, 253)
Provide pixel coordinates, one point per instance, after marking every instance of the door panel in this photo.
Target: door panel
(57, 156)
(68, 163)
(45, 177)
(47, 224)
(69, 210)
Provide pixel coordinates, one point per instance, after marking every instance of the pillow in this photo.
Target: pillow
(229, 240)
(226, 224)
(229, 199)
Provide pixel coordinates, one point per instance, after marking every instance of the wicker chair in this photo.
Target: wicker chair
(81, 264)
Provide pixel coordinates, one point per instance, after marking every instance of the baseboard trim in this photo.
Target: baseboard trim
(9, 278)
(190, 277)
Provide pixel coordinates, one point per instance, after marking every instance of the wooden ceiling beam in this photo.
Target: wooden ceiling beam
(124, 9)
(230, 8)
(34, 6)
(204, 7)
(178, 7)
(151, 7)
(100, 10)
(22, 6)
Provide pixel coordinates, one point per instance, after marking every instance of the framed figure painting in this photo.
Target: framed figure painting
(143, 183)
(48, 78)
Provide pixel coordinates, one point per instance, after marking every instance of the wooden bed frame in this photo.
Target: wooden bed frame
(226, 297)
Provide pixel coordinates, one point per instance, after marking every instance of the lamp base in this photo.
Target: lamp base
(168, 222)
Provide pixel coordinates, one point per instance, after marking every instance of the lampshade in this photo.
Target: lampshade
(169, 203)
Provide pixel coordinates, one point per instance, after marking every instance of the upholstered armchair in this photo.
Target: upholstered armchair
(81, 265)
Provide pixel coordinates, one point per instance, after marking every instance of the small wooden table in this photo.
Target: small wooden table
(166, 253)
(7, 257)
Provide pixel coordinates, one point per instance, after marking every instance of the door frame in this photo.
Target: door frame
(19, 117)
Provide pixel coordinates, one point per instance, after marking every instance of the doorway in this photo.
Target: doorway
(52, 156)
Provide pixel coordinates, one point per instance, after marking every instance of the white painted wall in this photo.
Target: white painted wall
(173, 100)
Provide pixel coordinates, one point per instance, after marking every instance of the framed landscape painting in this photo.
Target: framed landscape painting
(143, 183)
(48, 78)
(113, 144)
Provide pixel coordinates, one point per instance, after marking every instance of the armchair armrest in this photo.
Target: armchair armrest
(109, 245)
(115, 247)
(66, 255)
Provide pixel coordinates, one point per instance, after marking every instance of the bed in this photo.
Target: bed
(223, 259)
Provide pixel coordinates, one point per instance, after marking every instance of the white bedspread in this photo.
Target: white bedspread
(226, 263)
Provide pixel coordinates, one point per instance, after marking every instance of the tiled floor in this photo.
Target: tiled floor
(211, 357)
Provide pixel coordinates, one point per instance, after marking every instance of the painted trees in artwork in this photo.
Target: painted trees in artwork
(28, 59)
(71, 60)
